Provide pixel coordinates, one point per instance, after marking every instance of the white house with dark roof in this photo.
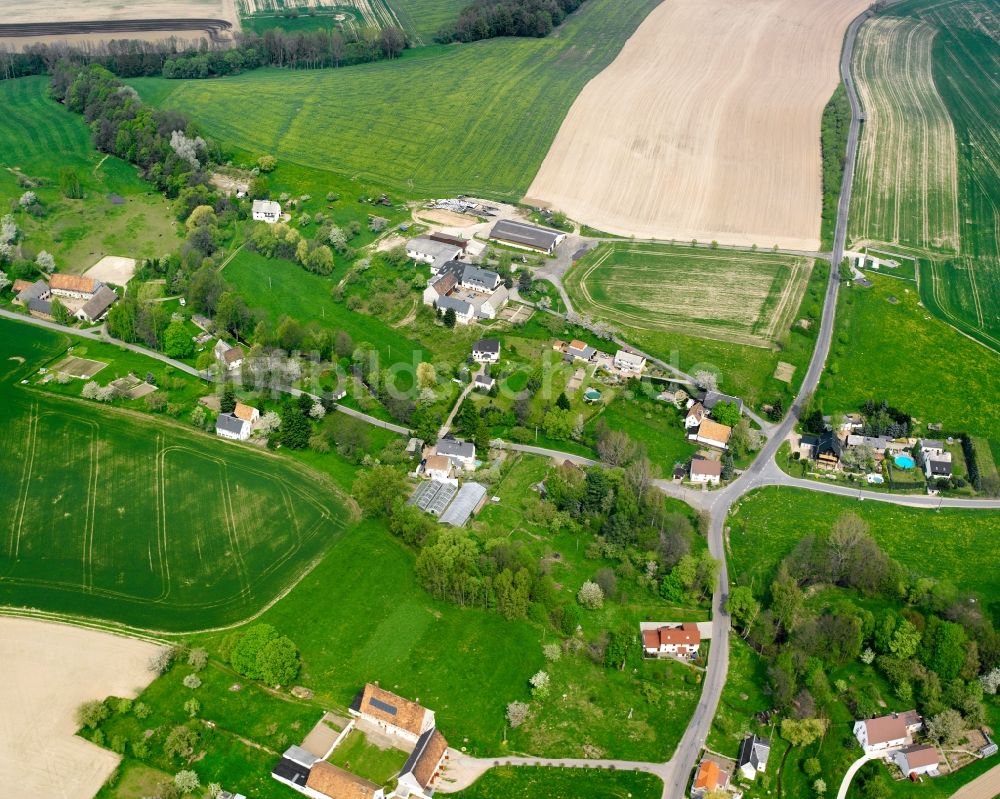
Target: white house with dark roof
(98, 305)
(483, 382)
(461, 453)
(492, 305)
(486, 350)
(753, 755)
(464, 311)
(424, 249)
(526, 237)
(478, 279)
(266, 211)
(228, 425)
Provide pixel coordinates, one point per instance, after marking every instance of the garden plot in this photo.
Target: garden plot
(906, 189)
(83, 368)
(744, 298)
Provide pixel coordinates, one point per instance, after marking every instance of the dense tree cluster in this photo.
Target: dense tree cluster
(485, 19)
(163, 144)
(261, 653)
(628, 522)
(931, 651)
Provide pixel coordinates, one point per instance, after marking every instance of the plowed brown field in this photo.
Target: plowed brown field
(705, 126)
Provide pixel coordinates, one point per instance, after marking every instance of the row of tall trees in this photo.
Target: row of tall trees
(485, 19)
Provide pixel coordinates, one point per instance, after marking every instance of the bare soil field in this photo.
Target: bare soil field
(22, 11)
(48, 671)
(113, 269)
(54, 12)
(906, 189)
(705, 126)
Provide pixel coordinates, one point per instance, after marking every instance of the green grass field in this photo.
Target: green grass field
(950, 545)
(907, 173)
(39, 139)
(699, 308)
(422, 19)
(882, 350)
(746, 298)
(964, 290)
(121, 517)
(543, 783)
(446, 119)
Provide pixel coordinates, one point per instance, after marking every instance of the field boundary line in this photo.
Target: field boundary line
(91, 518)
(29, 462)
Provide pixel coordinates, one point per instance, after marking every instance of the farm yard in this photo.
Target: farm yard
(448, 118)
(962, 287)
(113, 518)
(746, 298)
(907, 174)
(119, 214)
(705, 126)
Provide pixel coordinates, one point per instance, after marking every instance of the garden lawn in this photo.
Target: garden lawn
(951, 545)
(552, 783)
(734, 720)
(363, 758)
(900, 353)
(120, 214)
(448, 119)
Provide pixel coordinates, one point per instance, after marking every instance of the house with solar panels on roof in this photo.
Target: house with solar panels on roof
(402, 724)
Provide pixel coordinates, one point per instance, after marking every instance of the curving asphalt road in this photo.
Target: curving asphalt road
(762, 472)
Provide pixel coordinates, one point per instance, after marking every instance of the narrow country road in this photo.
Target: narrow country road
(762, 472)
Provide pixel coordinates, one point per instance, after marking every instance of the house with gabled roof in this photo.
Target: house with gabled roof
(247, 413)
(479, 279)
(265, 211)
(98, 305)
(461, 453)
(526, 237)
(39, 290)
(681, 639)
(424, 765)
(752, 759)
(712, 434)
(917, 759)
(228, 425)
(327, 781)
(887, 732)
(391, 713)
(76, 286)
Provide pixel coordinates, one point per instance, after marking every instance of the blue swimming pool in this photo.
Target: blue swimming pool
(904, 461)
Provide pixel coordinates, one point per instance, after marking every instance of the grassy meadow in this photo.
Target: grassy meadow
(38, 140)
(747, 298)
(734, 313)
(447, 119)
(115, 516)
(884, 346)
(949, 544)
(422, 19)
(962, 288)
(545, 783)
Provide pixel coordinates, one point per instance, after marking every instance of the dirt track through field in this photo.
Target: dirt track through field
(705, 126)
(48, 671)
(907, 175)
